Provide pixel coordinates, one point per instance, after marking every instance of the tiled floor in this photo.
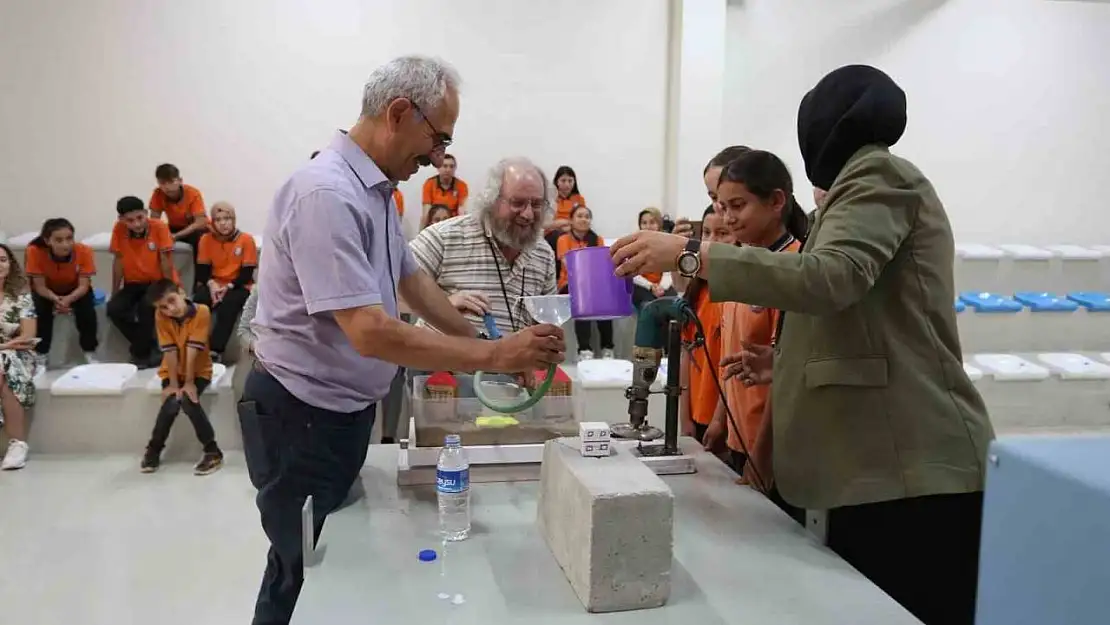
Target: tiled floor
(91, 541)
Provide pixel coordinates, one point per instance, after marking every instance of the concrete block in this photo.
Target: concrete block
(610, 524)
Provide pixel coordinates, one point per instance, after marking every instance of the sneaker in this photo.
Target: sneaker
(210, 463)
(90, 359)
(585, 354)
(151, 461)
(16, 458)
(606, 354)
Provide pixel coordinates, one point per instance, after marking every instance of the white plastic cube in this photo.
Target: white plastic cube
(595, 449)
(593, 432)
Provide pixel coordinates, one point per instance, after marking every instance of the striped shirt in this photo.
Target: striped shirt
(461, 255)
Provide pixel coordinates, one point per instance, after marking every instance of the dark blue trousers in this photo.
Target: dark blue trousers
(295, 450)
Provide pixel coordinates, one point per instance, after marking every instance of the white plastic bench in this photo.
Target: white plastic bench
(973, 372)
(1021, 251)
(978, 251)
(1084, 390)
(99, 242)
(1068, 251)
(99, 379)
(21, 241)
(1009, 368)
(1017, 392)
(1069, 366)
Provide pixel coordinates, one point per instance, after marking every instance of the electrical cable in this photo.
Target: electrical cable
(699, 335)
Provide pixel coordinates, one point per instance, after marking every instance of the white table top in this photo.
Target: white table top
(738, 559)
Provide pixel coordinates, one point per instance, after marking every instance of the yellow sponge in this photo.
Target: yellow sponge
(496, 421)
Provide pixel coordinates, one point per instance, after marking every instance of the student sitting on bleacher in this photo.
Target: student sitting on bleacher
(582, 235)
(17, 363)
(186, 371)
(649, 286)
(182, 204)
(436, 214)
(226, 262)
(61, 274)
(143, 251)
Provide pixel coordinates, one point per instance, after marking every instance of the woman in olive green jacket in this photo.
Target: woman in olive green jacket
(873, 416)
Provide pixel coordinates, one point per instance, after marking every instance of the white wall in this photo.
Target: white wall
(96, 93)
(1007, 100)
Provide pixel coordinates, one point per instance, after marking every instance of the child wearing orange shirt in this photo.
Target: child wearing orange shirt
(649, 286)
(755, 192)
(142, 248)
(226, 262)
(567, 198)
(182, 204)
(61, 274)
(186, 371)
(701, 395)
(445, 188)
(580, 236)
(436, 214)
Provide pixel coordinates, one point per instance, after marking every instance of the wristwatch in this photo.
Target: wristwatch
(689, 259)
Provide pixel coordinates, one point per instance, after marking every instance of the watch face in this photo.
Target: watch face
(688, 263)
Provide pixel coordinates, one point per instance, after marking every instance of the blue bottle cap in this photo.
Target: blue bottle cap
(427, 555)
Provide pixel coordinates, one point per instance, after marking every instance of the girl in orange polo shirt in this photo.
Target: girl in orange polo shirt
(567, 198)
(649, 286)
(580, 236)
(701, 397)
(226, 262)
(755, 193)
(436, 214)
(61, 274)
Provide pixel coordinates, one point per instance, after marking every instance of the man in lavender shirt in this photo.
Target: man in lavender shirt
(329, 340)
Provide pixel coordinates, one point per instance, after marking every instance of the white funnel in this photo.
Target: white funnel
(553, 309)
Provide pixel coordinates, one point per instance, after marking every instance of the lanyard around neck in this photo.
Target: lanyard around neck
(501, 279)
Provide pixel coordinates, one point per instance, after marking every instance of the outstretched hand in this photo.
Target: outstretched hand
(647, 251)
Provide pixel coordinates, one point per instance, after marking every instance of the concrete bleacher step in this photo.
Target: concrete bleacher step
(1044, 390)
(110, 408)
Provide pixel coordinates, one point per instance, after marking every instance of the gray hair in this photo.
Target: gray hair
(422, 79)
(483, 203)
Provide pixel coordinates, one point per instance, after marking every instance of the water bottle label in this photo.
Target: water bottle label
(452, 481)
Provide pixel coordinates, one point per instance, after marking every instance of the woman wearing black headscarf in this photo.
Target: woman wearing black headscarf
(874, 418)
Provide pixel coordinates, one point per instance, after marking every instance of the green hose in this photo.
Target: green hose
(533, 397)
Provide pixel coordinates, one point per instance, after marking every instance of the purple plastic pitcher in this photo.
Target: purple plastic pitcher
(596, 293)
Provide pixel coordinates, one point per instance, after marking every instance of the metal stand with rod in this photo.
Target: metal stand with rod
(668, 314)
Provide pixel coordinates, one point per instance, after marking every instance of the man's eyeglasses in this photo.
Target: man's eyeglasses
(518, 204)
(439, 139)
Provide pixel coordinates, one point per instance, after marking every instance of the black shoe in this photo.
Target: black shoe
(217, 358)
(151, 461)
(210, 463)
(147, 362)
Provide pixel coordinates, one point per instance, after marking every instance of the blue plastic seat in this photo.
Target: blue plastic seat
(960, 306)
(1046, 302)
(982, 302)
(1091, 300)
(99, 297)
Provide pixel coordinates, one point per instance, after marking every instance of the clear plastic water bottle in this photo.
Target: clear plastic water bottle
(453, 489)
